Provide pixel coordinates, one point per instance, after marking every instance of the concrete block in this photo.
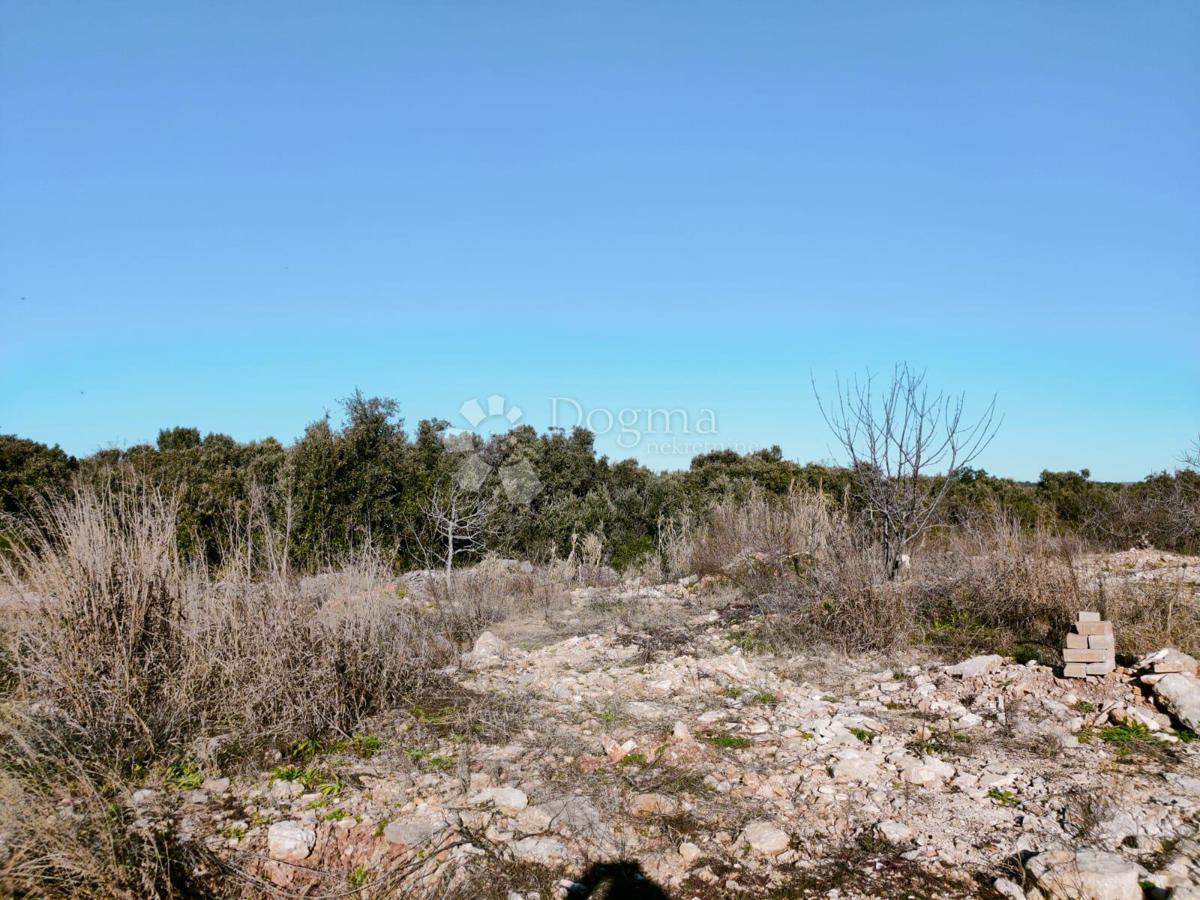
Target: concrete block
(1100, 668)
(1085, 656)
(1101, 642)
(1090, 628)
(1089, 617)
(1077, 641)
(1075, 670)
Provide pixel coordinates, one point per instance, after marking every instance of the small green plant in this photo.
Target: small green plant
(829, 698)
(1185, 735)
(928, 747)
(729, 741)
(733, 693)
(765, 698)
(1083, 707)
(335, 815)
(358, 876)
(380, 827)
(1002, 797)
(184, 775)
(1129, 732)
(365, 745)
(332, 787)
(287, 773)
(306, 748)
(863, 734)
(634, 759)
(745, 641)
(234, 831)
(427, 759)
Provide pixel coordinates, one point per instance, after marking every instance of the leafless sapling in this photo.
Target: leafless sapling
(905, 449)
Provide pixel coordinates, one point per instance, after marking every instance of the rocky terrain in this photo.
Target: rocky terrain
(639, 725)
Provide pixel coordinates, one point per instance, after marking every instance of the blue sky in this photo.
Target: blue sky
(231, 215)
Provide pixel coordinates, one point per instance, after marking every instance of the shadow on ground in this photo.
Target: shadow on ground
(623, 880)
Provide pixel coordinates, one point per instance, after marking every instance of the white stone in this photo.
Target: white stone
(689, 851)
(1180, 694)
(976, 665)
(509, 801)
(1085, 875)
(290, 841)
(539, 849)
(896, 832)
(653, 805)
(413, 831)
(765, 838)
(852, 765)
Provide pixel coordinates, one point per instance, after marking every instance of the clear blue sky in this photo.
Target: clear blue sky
(231, 215)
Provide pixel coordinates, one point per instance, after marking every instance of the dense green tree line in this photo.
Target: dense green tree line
(365, 479)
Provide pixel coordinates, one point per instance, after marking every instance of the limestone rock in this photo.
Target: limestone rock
(689, 851)
(290, 841)
(509, 801)
(763, 837)
(896, 832)
(653, 805)
(413, 830)
(539, 850)
(1180, 694)
(1085, 875)
(976, 665)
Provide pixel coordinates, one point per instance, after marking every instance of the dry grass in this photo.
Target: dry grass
(989, 585)
(69, 830)
(141, 651)
(125, 655)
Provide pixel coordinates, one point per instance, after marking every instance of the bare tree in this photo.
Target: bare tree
(459, 519)
(905, 450)
(1191, 458)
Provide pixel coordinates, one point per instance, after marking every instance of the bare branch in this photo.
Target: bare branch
(905, 453)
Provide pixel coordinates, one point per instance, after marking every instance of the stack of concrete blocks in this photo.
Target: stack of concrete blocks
(1091, 647)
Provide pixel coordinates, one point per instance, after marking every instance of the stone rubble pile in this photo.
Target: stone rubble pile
(725, 773)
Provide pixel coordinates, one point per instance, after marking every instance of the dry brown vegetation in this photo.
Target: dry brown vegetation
(122, 657)
(989, 585)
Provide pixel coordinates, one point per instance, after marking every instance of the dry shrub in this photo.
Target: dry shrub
(993, 585)
(67, 828)
(807, 567)
(142, 652)
(470, 600)
(990, 585)
(125, 657)
(764, 535)
(1150, 615)
(676, 548)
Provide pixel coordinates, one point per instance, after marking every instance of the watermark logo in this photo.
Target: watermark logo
(518, 479)
(473, 411)
(637, 426)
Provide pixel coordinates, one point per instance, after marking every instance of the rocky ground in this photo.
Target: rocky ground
(639, 725)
